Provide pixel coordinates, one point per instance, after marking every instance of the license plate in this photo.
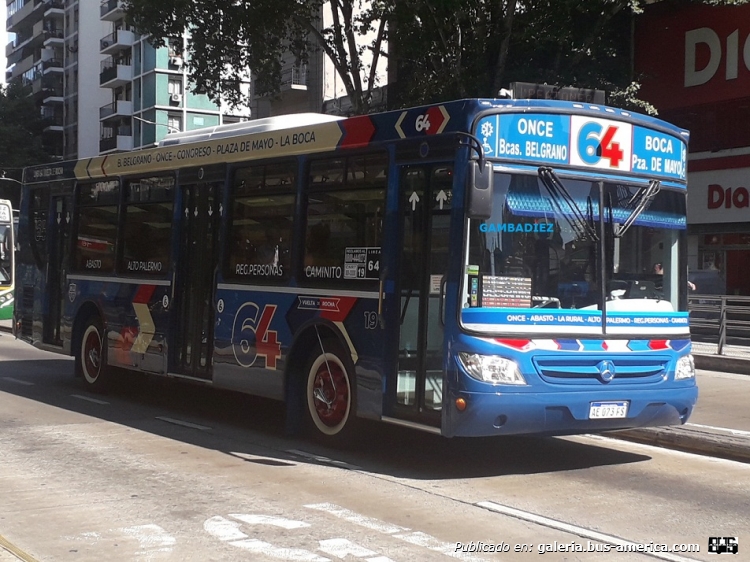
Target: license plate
(608, 410)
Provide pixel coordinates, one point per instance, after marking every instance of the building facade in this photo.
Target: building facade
(102, 87)
(694, 65)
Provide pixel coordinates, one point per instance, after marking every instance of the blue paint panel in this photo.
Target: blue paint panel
(534, 138)
(658, 154)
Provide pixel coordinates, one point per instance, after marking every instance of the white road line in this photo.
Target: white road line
(574, 529)
(89, 399)
(357, 519)
(407, 535)
(183, 423)
(11, 379)
(724, 429)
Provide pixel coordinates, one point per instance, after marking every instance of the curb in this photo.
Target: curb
(722, 363)
(695, 441)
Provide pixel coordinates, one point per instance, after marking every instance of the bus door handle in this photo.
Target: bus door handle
(441, 302)
(381, 296)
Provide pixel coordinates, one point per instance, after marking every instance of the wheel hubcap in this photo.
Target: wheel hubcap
(331, 393)
(92, 355)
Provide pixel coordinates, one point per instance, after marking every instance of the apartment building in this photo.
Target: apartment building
(105, 88)
(102, 87)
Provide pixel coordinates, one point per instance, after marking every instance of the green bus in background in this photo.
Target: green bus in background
(7, 244)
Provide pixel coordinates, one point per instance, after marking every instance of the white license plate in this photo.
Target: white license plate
(608, 410)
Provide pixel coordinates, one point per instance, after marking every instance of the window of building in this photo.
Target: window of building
(174, 123)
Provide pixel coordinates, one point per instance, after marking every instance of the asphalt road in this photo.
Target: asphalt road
(163, 471)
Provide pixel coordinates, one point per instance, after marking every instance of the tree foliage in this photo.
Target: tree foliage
(438, 49)
(228, 37)
(21, 128)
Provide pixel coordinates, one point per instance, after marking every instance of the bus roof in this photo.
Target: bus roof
(309, 133)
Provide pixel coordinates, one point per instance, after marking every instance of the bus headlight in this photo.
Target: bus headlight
(2, 299)
(491, 368)
(685, 368)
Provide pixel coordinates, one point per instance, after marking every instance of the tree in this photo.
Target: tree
(450, 49)
(21, 128)
(227, 38)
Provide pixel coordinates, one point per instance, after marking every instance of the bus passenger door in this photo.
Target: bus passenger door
(416, 393)
(195, 280)
(57, 263)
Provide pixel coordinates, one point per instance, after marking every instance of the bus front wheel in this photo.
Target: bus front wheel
(92, 359)
(330, 395)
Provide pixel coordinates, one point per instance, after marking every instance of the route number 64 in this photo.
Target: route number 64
(422, 123)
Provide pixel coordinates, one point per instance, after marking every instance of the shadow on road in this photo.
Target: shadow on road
(254, 426)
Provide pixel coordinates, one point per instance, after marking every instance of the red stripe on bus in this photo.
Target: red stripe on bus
(143, 295)
(358, 131)
(341, 310)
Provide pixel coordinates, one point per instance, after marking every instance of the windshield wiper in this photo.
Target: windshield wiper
(642, 199)
(558, 191)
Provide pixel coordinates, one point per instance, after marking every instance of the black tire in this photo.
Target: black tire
(91, 356)
(330, 395)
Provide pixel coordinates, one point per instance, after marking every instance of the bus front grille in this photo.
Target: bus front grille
(619, 370)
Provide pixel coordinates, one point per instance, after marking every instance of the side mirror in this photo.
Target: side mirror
(480, 190)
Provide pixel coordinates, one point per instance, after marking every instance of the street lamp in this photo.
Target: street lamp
(171, 129)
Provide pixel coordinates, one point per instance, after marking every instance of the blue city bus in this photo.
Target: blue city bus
(473, 268)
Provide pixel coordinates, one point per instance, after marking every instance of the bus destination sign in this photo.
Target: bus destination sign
(584, 142)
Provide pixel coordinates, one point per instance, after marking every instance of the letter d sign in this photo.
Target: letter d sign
(694, 77)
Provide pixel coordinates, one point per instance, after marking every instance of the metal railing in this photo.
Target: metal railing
(722, 321)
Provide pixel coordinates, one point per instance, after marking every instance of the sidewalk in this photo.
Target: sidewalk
(720, 423)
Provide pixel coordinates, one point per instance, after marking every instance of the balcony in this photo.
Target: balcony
(52, 95)
(115, 73)
(118, 140)
(294, 78)
(53, 122)
(54, 38)
(115, 42)
(52, 65)
(31, 7)
(112, 10)
(54, 8)
(117, 109)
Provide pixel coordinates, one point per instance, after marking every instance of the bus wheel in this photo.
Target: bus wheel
(330, 395)
(92, 355)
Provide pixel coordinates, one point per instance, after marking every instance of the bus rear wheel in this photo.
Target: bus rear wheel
(92, 357)
(329, 395)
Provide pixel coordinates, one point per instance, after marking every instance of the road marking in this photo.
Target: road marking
(183, 423)
(574, 529)
(357, 519)
(724, 429)
(341, 548)
(292, 554)
(89, 399)
(254, 519)
(11, 379)
(151, 538)
(415, 537)
(15, 551)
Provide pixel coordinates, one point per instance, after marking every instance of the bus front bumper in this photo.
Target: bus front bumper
(563, 413)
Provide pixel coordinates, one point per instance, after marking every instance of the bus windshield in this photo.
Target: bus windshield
(548, 245)
(6, 254)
